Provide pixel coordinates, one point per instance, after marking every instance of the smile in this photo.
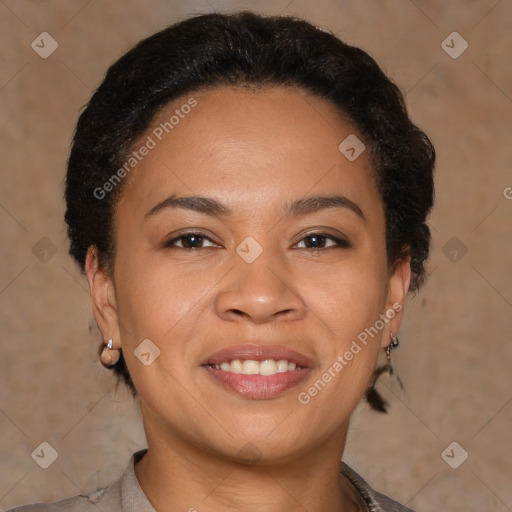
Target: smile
(257, 371)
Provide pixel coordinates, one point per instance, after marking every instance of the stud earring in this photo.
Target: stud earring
(109, 355)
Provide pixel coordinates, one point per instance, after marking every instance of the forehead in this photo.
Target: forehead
(252, 147)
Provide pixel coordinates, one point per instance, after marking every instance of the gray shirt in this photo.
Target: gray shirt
(126, 495)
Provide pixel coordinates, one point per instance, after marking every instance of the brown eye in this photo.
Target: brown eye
(320, 241)
(189, 241)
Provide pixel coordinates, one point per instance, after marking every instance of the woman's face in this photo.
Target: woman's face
(257, 270)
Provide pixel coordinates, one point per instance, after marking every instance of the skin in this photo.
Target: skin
(253, 151)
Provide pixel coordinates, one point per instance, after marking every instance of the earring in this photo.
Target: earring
(393, 344)
(373, 397)
(109, 356)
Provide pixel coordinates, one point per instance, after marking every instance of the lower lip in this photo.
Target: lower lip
(259, 386)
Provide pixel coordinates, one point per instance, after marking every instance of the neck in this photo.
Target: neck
(177, 475)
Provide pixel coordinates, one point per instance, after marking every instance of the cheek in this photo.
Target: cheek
(349, 302)
(154, 300)
(159, 303)
(349, 297)
(349, 307)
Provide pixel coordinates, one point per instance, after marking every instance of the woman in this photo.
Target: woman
(247, 197)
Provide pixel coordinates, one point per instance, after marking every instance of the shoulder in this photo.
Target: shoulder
(375, 501)
(389, 505)
(106, 499)
(74, 504)
(113, 498)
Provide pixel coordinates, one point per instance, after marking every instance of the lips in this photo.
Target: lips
(257, 386)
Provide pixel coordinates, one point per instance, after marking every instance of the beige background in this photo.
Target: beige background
(456, 351)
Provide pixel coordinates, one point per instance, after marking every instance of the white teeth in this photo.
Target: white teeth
(282, 365)
(236, 366)
(268, 367)
(251, 367)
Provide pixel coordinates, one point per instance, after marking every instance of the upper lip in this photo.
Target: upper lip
(258, 353)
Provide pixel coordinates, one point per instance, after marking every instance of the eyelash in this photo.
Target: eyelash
(341, 243)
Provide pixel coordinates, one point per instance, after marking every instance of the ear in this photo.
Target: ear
(103, 298)
(399, 282)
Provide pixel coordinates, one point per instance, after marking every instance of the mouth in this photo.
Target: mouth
(257, 371)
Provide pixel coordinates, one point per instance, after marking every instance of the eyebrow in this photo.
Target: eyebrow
(210, 206)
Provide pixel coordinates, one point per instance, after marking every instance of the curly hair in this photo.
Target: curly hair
(245, 49)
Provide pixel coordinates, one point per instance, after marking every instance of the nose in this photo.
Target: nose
(260, 292)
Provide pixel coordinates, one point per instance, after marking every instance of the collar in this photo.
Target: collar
(133, 498)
